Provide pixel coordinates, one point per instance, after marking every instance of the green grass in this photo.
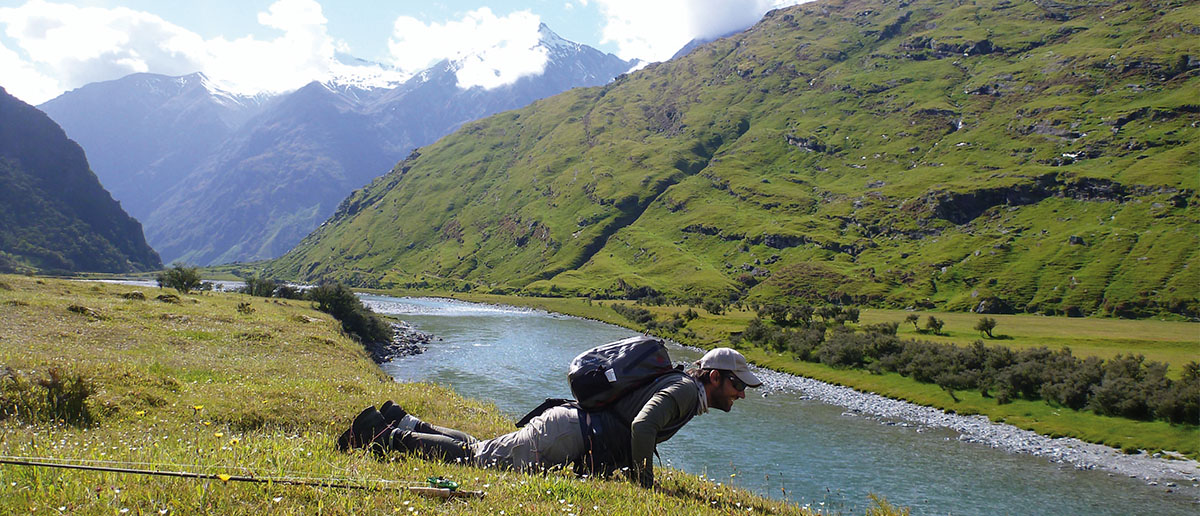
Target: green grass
(1174, 343)
(916, 188)
(261, 394)
(1037, 416)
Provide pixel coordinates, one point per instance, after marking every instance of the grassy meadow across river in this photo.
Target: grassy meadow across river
(1175, 343)
(229, 385)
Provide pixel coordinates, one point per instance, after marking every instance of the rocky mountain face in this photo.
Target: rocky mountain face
(144, 132)
(54, 215)
(239, 179)
(989, 156)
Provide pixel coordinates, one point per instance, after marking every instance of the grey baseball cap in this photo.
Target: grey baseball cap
(729, 360)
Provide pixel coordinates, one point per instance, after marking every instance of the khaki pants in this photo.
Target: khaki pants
(553, 439)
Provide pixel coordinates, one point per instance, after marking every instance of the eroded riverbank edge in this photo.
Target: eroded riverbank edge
(1170, 475)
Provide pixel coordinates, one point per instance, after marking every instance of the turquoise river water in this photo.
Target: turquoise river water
(781, 445)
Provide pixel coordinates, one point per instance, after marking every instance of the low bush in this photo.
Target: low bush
(357, 320)
(259, 287)
(985, 326)
(1126, 385)
(60, 396)
(285, 291)
(633, 313)
(181, 277)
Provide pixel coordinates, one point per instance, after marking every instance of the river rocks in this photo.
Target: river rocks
(406, 341)
(978, 429)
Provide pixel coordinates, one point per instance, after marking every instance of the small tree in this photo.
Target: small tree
(181, 277)
(934, 324)
(985, 326)
(357, 320)
(259, 287)
(912, 319)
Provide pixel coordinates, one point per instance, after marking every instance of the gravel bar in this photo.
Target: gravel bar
(1170, 474)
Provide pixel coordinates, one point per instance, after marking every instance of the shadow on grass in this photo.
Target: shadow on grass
(716, 498)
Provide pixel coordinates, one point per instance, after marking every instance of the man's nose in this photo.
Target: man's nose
(740, 394)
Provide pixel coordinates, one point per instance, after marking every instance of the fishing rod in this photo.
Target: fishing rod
(437, 486)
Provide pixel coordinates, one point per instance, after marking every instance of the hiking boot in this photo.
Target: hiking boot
(392, 413)
(368, 428)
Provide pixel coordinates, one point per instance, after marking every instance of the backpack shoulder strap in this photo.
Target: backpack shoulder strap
(537, 411)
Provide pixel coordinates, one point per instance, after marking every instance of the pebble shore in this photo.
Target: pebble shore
(406, 340)
(1171, 475)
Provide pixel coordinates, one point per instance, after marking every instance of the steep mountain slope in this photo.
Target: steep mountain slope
(218, 178)
(272, 181)
(145, 132)
(54, 215)
(994, 156)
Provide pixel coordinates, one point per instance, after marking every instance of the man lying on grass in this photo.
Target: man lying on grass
(596, 442)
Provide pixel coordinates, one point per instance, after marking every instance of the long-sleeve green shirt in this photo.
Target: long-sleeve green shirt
(657, 411)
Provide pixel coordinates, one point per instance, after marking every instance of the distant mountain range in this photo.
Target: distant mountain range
(997, 157)
(218, 178)
(54, 215)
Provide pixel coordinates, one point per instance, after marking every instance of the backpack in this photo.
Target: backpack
(602, 375)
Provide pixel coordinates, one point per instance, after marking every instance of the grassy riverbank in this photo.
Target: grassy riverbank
(230, 385)
(1172, 342)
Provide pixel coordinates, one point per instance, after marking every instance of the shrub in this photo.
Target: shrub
(846, 314)
(985, 326)
(884, 328)
(843, 349)
(357, 320)
(912, 319)
(259, 287)
(286, 291)
(181, 277)
(802, 343)
(1125, 386)
(58, 397)
(1180, 403)
(1072, 387)
(787, 315)
(633, 313)
(933, 324)
(714, 307)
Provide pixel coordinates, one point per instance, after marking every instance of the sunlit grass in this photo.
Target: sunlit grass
(199, 387)
(1172, 342)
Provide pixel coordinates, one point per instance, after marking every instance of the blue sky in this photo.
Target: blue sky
(250, 46)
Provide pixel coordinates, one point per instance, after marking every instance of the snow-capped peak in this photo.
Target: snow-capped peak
(547, 38)
(350, 71)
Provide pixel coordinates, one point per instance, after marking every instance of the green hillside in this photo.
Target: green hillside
(227, 385)
(996, 156)
(54, 214)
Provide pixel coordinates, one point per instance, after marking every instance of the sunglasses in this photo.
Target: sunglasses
(738, 384)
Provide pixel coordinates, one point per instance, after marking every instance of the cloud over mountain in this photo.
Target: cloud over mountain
(656, 30)
(492, 50)
(67, 46)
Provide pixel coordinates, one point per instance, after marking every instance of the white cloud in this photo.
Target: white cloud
(303, 53)
(655, 30)
(78, 45)
(23, 81)
(491, 51)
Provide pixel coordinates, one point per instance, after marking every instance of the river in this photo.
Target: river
(783, 445)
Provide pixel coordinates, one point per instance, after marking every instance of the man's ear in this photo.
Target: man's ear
(714, 377)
